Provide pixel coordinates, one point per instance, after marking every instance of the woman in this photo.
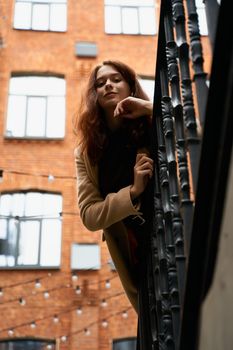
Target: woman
(113, 164)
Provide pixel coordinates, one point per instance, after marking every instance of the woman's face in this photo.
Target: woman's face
(111, 87)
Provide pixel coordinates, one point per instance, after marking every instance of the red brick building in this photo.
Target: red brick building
(58, 287)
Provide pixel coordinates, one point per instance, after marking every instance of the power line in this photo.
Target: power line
(42, 216)
(26, 282)
(50, 177)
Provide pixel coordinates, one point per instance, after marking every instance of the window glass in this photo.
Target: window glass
(30, 236)
(50, 243)
(22, 16)
(202, 21)
(58, 17)
(52, 204)
(202, 17)
(40, 17)
(12, 238)
(17, 204)
(33, 204)
(29, 243)
(26, 344)
(10, 261)
(3, 229)
(37, 85)
(36, 115)
(112, 20)
(49, 15)
(130, 17)
(148, 86)
(55, 126)
(125, 344)
(36, 107)
(5, 204)
(16, 116)
(147, 20)
(130, 20)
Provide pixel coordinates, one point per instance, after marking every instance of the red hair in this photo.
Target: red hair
(91, 126)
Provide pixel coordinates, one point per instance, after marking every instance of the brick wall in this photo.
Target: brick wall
(31, 51)
(50, 52)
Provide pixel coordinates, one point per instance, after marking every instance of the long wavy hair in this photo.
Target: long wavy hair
(90, 125)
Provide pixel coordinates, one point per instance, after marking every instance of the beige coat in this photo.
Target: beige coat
(107, 214)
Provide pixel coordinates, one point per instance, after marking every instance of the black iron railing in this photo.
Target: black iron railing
(177, 141)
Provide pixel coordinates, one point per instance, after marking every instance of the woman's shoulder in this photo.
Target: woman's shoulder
(77, 152)
(81, 156)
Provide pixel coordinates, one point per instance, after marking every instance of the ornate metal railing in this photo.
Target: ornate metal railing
(177, 142)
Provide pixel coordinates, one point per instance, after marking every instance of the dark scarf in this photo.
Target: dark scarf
(116, 167)
(117, 163)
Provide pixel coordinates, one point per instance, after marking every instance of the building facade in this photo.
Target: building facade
(58, 286)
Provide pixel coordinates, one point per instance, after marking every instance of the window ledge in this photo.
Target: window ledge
(32, 138)
(136, 34)
(40, 30)
(30, 267)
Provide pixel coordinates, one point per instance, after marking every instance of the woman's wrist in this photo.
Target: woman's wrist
(133, 193)
(148, 108)
(134, 197)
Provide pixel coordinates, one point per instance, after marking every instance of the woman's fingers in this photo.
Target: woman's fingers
(143, 166)
(141, 156)
(118, 110)
(133, 107)
(143, 170)
(143, 159)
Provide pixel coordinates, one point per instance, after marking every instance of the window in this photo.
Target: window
(130, 17)
(148, 86)
(30, 229)
(111, 265)
(36, 107)
(125, 344)
(26, 344)
(202, 17)
(85, 256)
(48, 15)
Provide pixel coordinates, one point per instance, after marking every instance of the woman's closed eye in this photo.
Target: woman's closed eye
(117, 79)
(99, 83)
(114, 79)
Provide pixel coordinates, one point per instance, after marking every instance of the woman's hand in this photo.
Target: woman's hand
(133, 107)
(143, 171)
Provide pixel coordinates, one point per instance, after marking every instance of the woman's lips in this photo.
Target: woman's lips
(110, 94)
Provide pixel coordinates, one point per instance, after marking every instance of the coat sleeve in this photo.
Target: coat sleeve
(97, 212)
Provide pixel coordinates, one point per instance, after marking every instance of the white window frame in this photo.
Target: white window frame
(121, 6)
(54, 17)
(30, 230)
(47, 119)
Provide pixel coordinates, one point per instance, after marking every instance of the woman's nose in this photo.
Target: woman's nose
(108, 83)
